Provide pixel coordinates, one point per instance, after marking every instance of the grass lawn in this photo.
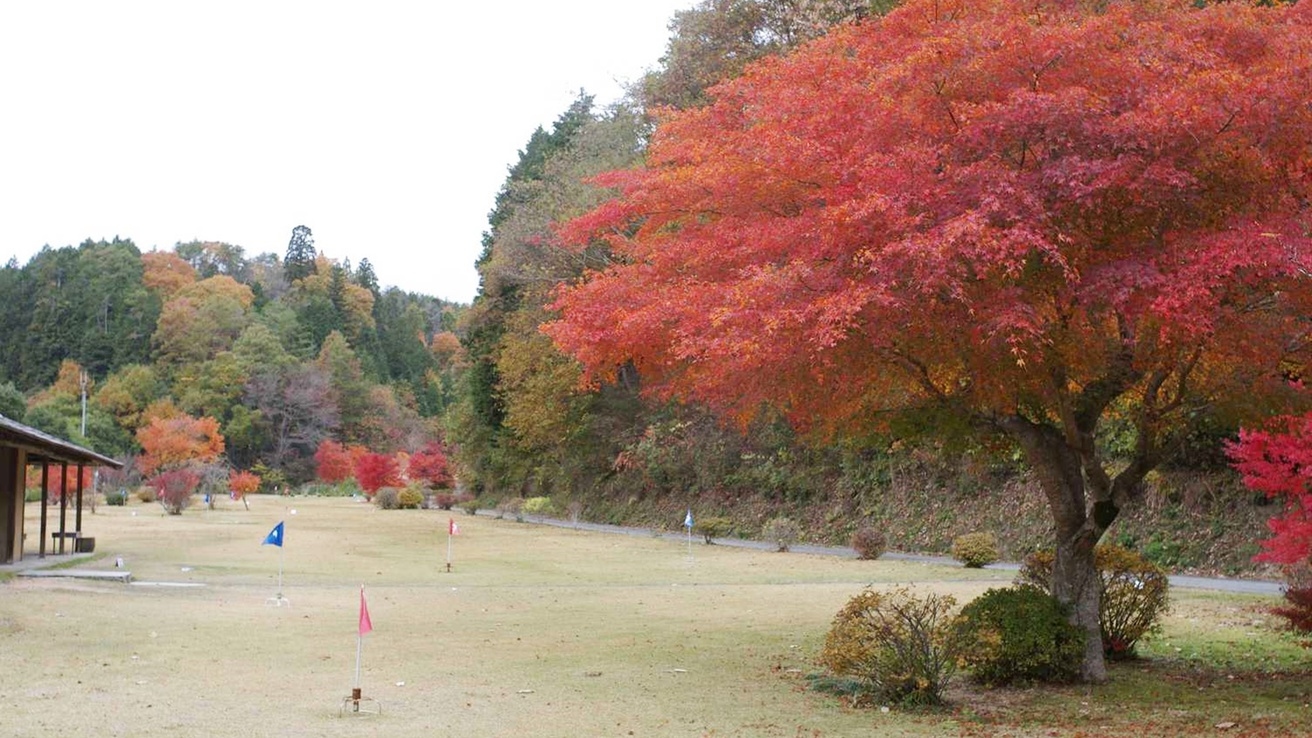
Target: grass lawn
(541, 631)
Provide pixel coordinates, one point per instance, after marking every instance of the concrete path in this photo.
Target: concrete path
(1219, 584)
(98, 574)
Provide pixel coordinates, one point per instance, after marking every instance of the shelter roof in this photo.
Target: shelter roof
(42, 446)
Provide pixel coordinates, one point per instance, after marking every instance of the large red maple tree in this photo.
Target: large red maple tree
(1025, 215)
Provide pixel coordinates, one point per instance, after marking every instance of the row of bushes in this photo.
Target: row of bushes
(972, 549)
(906, 648)
(416, 496)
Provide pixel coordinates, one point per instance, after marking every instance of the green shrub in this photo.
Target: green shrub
(975, 550)
(869, 543)
(32, 494)
(1019, 635)
(901, 646)
(782, 532)
(539, 506)
(1134, 594)
(410, 498)
(469, 504)
(711, 528)
(387, 498)
(116, 497)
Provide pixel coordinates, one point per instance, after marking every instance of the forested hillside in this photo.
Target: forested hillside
(281, 351)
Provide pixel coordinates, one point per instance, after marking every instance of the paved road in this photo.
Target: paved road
(1242, 586)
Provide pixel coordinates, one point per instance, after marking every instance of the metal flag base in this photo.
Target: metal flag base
(356, 704)
(278, 601)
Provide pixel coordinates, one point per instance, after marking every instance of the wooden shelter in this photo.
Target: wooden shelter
(20, 447)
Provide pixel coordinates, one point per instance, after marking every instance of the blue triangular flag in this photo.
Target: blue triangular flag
(275, 536)
(687, 519)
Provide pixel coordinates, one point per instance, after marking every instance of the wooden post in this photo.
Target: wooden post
(45, 484)
(77, 526)
(63, 502)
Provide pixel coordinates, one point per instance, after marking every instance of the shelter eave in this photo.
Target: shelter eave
(43, 447)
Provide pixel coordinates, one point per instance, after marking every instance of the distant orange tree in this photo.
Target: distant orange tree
(179, 440)
(334, 462)
(243, 483)
(172, 449)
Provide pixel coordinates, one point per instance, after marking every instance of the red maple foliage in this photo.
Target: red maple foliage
(375, 471)
(175, 487)
(1278, 463)
(430, 466)
(55, 481)
(333, 462)
(1017, 216)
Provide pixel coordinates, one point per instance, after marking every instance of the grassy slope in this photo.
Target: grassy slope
(1188, 522)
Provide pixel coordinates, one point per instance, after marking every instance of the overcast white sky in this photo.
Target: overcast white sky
(385, 126)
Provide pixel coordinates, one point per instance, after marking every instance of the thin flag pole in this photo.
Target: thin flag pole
(357, 696)
(451, 531)
(359, 651)
(277, 538)
(366, 626)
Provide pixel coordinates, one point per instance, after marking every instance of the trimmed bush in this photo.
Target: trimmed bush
(410, 498)
(444, 500)
(711, 528)
(782, 532)
(869, 543)
(900, 646)
(539, 506)
(1134, 594)
(469, 504)
(116, 497)
(975, 550)
(1019, 635)
(146, 493)
(387, 498)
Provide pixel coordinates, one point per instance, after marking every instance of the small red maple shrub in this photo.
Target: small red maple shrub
(333, 462)
(375, 471)
(174, 488)
(430, 466)
(1278, 463)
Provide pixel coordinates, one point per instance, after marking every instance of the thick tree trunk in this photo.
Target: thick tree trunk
(1075, 580)
(1075, 583)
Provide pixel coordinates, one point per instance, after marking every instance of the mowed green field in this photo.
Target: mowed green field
(538, 631)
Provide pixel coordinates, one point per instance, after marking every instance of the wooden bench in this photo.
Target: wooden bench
(58, 540)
